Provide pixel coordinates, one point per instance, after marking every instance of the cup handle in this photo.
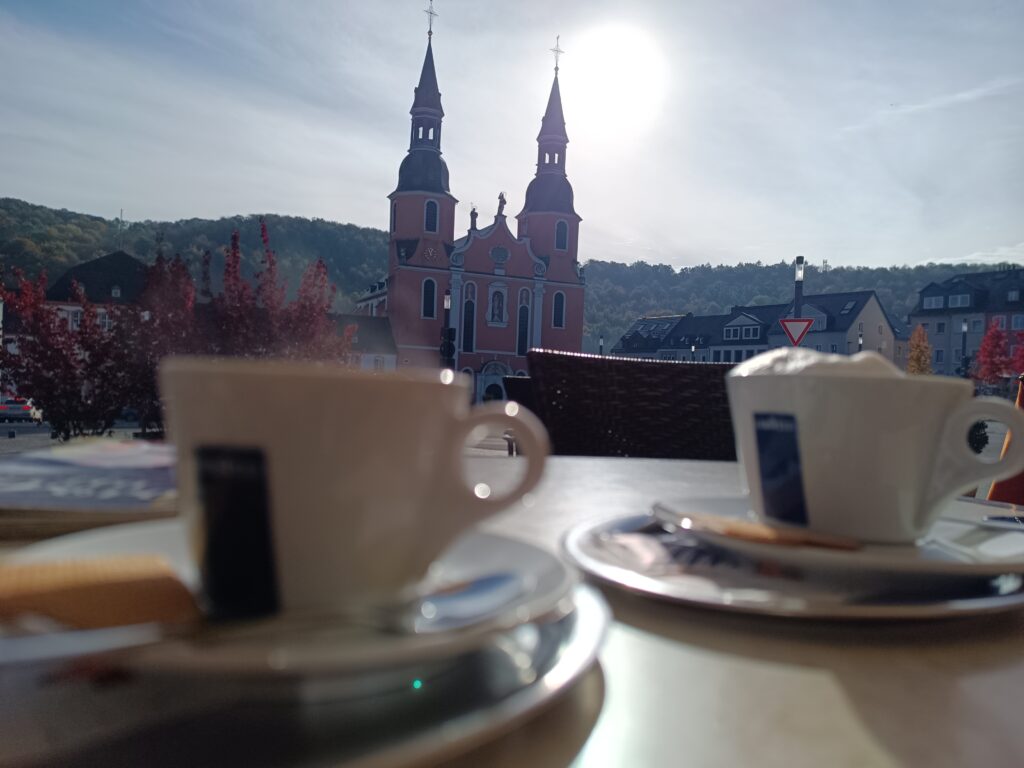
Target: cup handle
(958, 468)
(532, 437)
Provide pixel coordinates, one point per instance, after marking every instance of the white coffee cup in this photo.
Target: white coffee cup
(871, 457)
(313, 487)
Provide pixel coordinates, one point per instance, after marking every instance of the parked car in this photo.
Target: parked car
(19, 409)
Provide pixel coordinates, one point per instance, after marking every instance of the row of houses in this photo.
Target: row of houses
(843, 323)
(119, 279)
(954, 313)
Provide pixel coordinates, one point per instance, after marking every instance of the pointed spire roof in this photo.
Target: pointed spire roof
(427, 94)
(552, 125)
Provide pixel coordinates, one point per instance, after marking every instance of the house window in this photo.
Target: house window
(817, 347)
(751, 332)
(860, 327)
(732, 333)
(976, 326)
(522, 326)
(378, 363)
(469, 318)
(429, 308)
(115, 292)
(562, 235)
(716, 356)
(939, 328)
(960, 300)
(956, 355)
(940, 355)
(558, 311)
(1013, 295)
(751, 353)
(934, 302)
(942, 327)
(76, 319)
(925, 326)
(430, 216)
(104, 320)
(999, 321)
(834, 348)
(1017, 323)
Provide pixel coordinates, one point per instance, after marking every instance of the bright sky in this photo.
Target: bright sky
(866, 132)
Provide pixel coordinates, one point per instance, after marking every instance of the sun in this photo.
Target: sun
(614, 82)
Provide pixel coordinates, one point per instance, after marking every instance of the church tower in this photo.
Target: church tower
(548, 217)
(422, 206)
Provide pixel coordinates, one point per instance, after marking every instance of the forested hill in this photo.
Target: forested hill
(36, 237)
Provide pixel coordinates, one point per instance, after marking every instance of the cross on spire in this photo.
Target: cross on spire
(431, 15)
(557, 50)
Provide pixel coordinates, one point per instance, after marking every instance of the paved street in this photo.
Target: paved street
(31, 437)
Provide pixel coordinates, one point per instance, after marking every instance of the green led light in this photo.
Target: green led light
(417, 684)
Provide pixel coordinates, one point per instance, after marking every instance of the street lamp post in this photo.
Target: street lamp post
(860, 341)
(798, 288)
(964, 362)
(693, 353)
(600, 345)
(447, 333)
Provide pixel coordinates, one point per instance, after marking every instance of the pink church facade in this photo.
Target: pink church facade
(509, 291)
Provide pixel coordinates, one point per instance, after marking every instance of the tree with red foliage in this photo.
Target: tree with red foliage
(79, 376)
(82, 378)
(993, 358)
(248, 323)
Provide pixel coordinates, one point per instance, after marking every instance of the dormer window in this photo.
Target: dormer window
(934, 302)
(960, 300)
(115, 292)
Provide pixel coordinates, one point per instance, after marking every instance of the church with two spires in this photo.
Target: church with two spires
(491, 294)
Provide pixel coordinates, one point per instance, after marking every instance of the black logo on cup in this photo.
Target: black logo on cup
(239, 578)
(778, 456)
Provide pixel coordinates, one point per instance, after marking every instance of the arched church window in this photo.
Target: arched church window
(430, 216)
(421, 132)
(558, 311)
(547, 158)
(394, 215)
(469, 319)
(556, 158)
(523, 330)
(430, 134)
(562, 235)
(429, 309)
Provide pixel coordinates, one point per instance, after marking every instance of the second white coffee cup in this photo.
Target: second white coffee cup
(869, 457)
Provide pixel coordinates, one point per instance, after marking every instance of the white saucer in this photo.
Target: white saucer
(952, 548)
(636, 554)
(509, 583)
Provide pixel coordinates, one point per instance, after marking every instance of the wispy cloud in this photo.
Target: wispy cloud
(1004, 253)
(990, 89)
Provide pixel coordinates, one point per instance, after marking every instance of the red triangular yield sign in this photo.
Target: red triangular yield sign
(796, 328)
